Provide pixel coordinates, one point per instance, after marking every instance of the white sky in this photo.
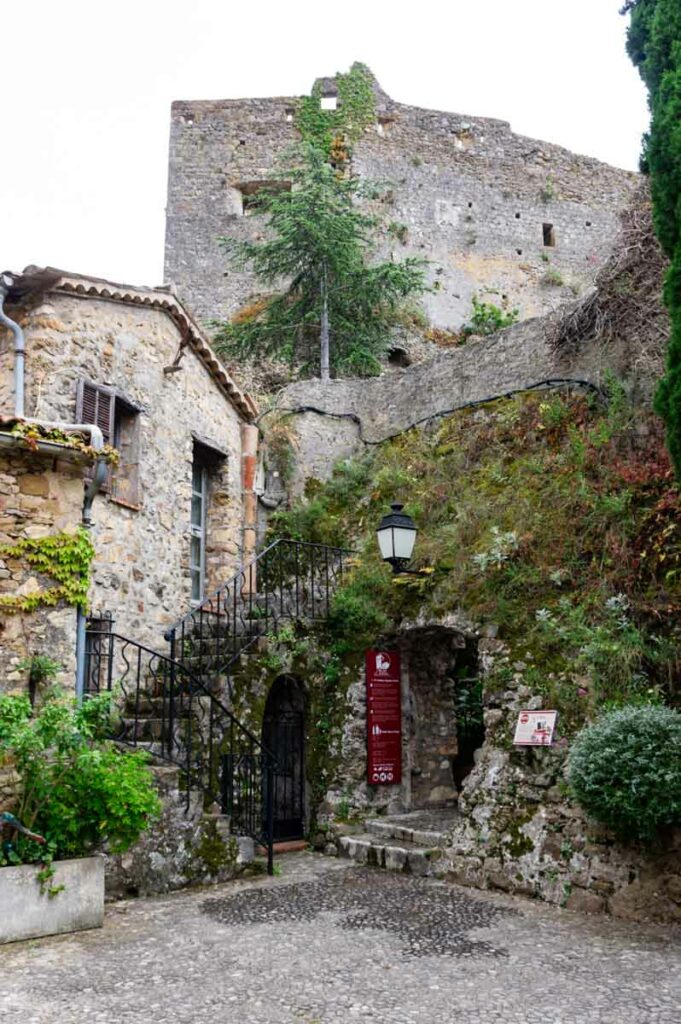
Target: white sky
(86, 87)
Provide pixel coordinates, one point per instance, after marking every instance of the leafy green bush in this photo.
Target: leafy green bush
(77, 789)
(487, 318)
(625, 770)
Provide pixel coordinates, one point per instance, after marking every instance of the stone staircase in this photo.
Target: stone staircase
(411, 843)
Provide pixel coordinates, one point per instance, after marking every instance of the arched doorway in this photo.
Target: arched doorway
(283, 734)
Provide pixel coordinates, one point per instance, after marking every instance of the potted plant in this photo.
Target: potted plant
(77, 794)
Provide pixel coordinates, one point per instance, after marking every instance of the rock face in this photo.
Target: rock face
(489, 208)
(184, 847)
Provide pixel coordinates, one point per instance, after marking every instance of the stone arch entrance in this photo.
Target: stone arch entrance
(283, 734)
(444, 720)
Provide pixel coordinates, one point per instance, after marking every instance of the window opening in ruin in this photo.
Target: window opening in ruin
(588, 223)
(329, 102)
(519, 251)
(290, 113)
(470, 206)
(517, 216)
(470, 727)
(549, 234)
(251, 193)
(119, 420)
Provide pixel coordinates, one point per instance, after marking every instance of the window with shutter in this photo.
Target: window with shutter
(96, 404)
(118, 419)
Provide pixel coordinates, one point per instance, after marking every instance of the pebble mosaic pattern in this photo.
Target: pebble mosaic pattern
(429, 919)
(298, 949)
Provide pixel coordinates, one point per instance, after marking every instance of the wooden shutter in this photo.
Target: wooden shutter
(96, 404)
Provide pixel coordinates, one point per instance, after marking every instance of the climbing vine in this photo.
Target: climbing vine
(334, 131)
(65, 557)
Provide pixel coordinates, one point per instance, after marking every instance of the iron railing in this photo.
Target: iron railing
(161, 706)
(288, 581)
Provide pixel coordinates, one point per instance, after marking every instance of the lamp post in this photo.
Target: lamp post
(396, 535)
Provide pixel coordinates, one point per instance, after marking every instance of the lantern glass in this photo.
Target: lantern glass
(396, 536)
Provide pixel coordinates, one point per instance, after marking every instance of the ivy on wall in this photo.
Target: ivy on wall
(334, 131)
(64, 557)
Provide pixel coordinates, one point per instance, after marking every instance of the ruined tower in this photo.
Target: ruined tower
(515, 221)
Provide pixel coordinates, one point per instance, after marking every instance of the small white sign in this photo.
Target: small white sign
(535, 728)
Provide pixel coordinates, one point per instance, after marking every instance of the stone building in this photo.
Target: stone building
(168, 521)
(521, 223)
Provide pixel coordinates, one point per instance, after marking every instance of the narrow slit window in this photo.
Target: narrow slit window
(549, 233)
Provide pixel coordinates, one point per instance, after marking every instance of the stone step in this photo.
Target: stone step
(387, 829)
(406, 857)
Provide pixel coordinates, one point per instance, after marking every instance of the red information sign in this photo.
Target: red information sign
(384, 718)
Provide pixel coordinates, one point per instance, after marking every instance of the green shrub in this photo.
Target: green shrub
(77, 789)
(487, 318)
(625, 770)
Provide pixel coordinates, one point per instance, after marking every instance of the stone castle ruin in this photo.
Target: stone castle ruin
(518, 222)
(502, 218)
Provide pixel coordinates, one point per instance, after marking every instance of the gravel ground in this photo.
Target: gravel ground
(327, 943)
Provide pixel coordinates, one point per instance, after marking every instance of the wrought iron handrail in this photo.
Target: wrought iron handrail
(289, 580)
(163, 707)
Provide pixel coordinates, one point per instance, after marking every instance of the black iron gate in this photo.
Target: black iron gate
(284, 738)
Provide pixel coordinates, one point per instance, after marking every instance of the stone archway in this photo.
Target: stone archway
(283, 734)
(441, 665)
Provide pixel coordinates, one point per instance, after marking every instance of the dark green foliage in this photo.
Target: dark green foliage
(550, 517)
(654, 45)
(333, 131)
(625, 770)
(487, 318)
(320, 242)
(77, 789)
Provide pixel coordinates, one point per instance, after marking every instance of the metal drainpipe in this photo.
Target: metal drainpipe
(6, 283)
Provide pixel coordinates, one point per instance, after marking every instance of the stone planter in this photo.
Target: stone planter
(26, 913)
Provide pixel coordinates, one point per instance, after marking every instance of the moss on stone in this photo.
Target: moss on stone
(213, 851)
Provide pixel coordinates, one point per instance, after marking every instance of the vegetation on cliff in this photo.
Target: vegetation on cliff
(654, 45)
(554, 518)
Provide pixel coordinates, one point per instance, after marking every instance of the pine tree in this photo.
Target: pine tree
(339, 309)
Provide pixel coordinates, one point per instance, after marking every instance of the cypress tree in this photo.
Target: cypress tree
(654, 45)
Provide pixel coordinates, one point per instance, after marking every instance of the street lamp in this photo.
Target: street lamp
(396, 536)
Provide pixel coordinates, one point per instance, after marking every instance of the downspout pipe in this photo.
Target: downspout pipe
(6, 282)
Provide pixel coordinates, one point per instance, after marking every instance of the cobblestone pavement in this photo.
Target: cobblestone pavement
(327, 943)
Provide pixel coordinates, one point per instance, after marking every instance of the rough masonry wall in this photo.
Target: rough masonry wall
(141, 567)
(38, 496)
(337, 419)
(465, 192)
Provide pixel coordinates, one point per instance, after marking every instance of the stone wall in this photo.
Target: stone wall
(514, 828)
(520, 832)
(141, 568)
(331, 421)
(184, 847)
(465, 192)
(39, 495)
